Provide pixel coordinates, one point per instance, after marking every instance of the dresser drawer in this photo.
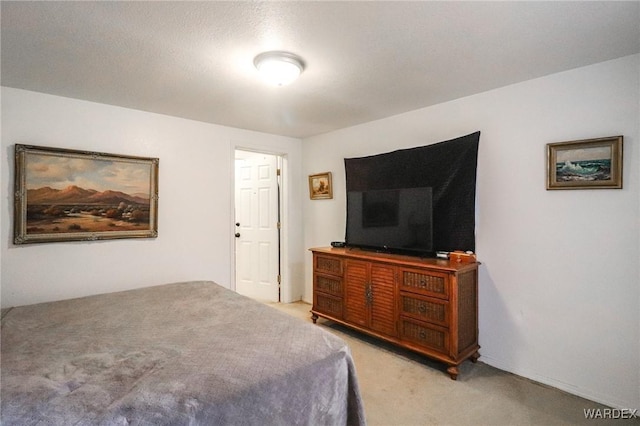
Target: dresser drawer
(327, 264)
(425, 335)
(435, 311)
(434, 284)
(328, 284)
(327, 304)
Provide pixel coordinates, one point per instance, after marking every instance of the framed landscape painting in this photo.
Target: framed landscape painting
(320, 186)
(585, 164)
(69, 195)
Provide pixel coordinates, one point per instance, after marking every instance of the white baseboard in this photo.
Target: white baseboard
(589, 394)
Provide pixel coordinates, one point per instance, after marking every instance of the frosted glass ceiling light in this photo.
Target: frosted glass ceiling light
(279, 68)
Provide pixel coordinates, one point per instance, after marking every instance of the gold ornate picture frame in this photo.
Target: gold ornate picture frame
(320, 186)
(585, 164)
(70, 195)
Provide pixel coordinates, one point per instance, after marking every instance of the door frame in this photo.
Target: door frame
(283, 258)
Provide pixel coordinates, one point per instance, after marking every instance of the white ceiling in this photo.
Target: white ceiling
(364, 60)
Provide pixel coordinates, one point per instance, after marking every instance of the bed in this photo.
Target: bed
(176, 354)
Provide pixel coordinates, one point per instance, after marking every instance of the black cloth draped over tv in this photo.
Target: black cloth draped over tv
(449, 167)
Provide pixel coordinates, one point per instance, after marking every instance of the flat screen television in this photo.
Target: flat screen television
(391, 220)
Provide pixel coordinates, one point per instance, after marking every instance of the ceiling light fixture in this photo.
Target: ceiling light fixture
(279, 68)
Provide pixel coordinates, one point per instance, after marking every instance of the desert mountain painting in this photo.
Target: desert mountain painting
(68, 192)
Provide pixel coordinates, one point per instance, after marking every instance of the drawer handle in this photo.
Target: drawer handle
(422, 308)
(423, 334)
(423, 283)
(368, 294)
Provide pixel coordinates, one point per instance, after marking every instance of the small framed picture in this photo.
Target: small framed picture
(585, 164)
(320, 186)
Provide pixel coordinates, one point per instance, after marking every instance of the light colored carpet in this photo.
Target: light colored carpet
(400, 388)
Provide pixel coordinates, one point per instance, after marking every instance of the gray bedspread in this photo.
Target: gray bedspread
(190, 353)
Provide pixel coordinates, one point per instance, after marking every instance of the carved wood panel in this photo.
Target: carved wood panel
(356, 274)
(383, 305)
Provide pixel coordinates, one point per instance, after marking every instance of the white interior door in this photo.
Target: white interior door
(256, 211)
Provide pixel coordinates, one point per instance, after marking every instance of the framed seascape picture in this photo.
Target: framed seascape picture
(320, 186)
(69, 195)
(585, 164)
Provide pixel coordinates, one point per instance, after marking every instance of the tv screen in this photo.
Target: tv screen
(392, 220)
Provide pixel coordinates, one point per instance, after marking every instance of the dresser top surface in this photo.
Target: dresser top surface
(410, 261)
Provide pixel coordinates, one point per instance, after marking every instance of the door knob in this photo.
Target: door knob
(237, 235)
(237, 223)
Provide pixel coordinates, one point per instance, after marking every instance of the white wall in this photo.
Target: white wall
(559, 281)
(195, 221)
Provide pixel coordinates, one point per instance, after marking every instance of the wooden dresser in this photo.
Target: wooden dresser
(427, 305)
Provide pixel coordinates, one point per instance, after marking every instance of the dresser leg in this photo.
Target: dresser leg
(314, 318)
(475, 356)
(453, 372)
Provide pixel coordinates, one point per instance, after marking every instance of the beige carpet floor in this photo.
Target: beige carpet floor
(400, 388)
